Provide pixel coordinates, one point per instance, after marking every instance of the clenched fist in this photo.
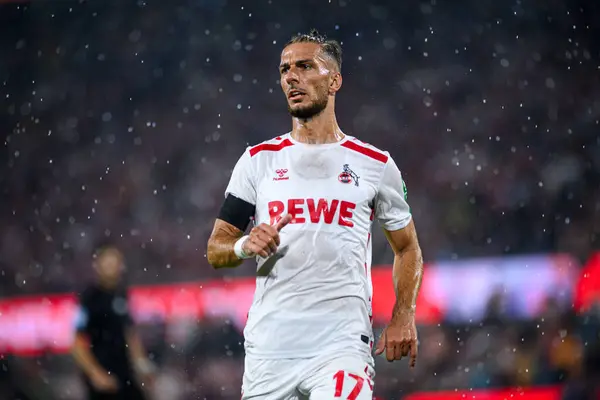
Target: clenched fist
(263, 239)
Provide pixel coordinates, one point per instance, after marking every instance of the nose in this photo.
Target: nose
(291, 77)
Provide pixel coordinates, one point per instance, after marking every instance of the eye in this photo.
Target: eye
(305, 66)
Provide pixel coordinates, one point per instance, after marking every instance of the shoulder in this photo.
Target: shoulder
(367, 150)
(275, 144)
(87, 295)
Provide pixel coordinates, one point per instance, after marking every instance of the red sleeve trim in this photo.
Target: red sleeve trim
(375, 155)
(270, 147)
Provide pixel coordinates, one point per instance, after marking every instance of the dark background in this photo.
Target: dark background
(123, 120)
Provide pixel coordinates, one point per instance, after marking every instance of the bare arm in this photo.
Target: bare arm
(84, 358)
(407, 270)
(137, 352)
(220, 252)
(134, 343)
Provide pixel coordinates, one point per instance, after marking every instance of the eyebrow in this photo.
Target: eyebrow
(296, 62)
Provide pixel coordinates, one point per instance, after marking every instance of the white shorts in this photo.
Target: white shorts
(332, 377)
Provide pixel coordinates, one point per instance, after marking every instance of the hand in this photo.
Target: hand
(103, 382)
(263, 239)
(399, 339)
(147, 380)
(146, 373)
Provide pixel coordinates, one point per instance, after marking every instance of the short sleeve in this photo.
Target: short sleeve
(242, 182)
(391, 207)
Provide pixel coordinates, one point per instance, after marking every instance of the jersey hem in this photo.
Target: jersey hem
(399, 225)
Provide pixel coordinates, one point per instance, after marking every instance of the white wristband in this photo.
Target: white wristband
(238, 250)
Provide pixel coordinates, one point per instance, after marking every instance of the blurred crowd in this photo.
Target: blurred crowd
(124, 119)
(201, 360)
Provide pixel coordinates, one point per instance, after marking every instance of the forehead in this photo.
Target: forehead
(300, 51)
(110, 255)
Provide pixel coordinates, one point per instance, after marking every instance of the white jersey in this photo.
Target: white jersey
(314, 295)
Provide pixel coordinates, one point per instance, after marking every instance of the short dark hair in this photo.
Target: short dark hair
(330, 47)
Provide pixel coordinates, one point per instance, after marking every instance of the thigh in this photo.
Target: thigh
(343, 378)
(270, 379)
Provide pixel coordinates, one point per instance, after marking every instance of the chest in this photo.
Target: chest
(316, 187)
(108, 310)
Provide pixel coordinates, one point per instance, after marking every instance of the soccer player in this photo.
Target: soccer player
(107, 348)
(312, 195)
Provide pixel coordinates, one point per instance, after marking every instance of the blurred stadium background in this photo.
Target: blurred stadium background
(123, 119)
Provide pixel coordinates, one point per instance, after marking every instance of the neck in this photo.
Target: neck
(106, 285)
(320, 129)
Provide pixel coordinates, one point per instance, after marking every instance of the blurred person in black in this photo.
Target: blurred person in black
(107, 348)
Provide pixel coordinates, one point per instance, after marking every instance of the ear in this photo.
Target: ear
(335, 82)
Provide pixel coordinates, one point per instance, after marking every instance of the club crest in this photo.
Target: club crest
(348, 176)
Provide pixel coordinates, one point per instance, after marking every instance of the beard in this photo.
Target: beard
(311, 110)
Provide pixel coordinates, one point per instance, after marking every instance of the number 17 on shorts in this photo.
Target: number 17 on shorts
(349, 386)
(345, 378)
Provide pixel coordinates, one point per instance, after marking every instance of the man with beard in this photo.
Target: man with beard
(312, 195)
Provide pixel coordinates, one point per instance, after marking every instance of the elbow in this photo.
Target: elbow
(75, 353)
(412, 250)
(408, 248)
(78, 343)
(419, 254)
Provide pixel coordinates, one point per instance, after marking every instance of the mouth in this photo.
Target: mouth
(295, 94)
